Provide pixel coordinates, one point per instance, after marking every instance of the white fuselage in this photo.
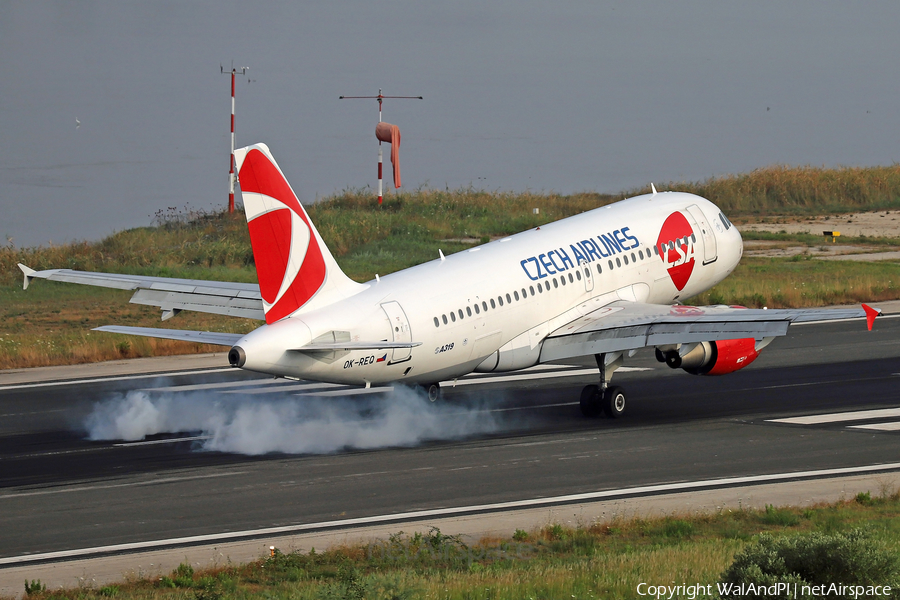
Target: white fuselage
(524, 287)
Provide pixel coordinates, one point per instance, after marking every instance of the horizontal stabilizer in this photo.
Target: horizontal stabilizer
(356, 346)
(202, 337)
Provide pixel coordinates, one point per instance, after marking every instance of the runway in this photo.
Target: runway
(526, 441)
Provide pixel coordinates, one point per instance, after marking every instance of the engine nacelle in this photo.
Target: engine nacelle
(712, 358)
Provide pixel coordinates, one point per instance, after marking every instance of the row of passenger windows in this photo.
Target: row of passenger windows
(451, 317)
(541, 287)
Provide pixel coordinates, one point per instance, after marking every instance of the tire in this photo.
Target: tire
(614, 402)
(590, 401)
(432, 392)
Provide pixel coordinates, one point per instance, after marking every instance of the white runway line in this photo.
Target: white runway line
(165, 441)
(891, 426)
(857, 415)
(22, 386)
(446, 512)
(85, 488)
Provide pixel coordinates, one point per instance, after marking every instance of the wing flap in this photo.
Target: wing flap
(202, 337)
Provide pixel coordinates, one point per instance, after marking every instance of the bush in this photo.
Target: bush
(849, 559)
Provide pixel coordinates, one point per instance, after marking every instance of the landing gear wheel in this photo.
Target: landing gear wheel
(432, 392)
(614, 402)
(591, 401)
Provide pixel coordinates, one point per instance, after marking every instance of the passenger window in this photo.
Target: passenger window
(540, 289)
(444, 317)
(508, 299)
(587, 273)
(618, 262)
(500, 300)
(610, 265)
(484, 305)
(641, 254)
(469, 310)
(562, 280)
(625, 258)
(477, 310)
(531, 287)
(460, 315)
(547, 285)
(555, 283)
(453, 317)
(655, 250)
(436, 322)
(633, 257)
(599, 269)
(571, 279)
(516, 294)
(493, 304)
(693, 238)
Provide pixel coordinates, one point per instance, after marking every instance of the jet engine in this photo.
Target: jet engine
(710, 358)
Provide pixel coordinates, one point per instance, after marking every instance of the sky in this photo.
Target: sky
(518, 95)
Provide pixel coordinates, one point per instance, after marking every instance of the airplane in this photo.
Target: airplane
(603, 284)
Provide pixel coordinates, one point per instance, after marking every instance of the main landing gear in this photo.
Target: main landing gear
(603, 398)
(431, 391)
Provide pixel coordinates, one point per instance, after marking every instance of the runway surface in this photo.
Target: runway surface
(492, 440)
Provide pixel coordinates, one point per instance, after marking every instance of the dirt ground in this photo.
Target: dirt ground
(882, 224)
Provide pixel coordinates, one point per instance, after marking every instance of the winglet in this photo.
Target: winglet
(27, 273)
(871, 313)
(653, 187)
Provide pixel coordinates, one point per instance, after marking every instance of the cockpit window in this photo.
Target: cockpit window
(725, 221)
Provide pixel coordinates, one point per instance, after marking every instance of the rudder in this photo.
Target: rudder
(294, 266)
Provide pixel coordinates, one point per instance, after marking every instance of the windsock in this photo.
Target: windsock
(386, 132)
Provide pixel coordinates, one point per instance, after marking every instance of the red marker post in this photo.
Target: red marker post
(231, 177)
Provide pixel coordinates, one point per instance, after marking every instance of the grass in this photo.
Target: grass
(50, 323)
(594, 560)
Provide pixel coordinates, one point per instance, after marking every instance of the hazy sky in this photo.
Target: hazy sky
(580, 95)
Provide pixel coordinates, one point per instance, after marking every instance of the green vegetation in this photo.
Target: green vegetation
(50, 323)
(848, 542)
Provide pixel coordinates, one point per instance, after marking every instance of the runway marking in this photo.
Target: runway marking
(444, 512)
(891, 426)
(221, 385)
(86, 488)
(166, 441)
(275, 386)
(22, 386)
(857, 415)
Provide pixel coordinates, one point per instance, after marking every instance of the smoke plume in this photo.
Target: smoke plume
(289, 424)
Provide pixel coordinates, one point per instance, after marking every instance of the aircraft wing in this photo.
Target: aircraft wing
(170, 294)
(623, 325)
(182, 335)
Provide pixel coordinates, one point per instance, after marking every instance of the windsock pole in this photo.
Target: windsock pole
(380, 158)
(380, 99)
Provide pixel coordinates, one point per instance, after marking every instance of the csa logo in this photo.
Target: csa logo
(676, 248)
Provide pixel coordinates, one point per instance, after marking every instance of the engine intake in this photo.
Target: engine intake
(712, 358)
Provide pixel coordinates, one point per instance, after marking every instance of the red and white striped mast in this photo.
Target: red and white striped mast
(231, 178)
(380, 99)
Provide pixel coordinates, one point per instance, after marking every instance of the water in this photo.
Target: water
(533, 95)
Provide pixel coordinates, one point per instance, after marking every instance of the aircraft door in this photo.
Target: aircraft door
(588, 278)
(707, 234)
(399, 329)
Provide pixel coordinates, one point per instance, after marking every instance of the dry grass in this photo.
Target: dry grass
(50, 325)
